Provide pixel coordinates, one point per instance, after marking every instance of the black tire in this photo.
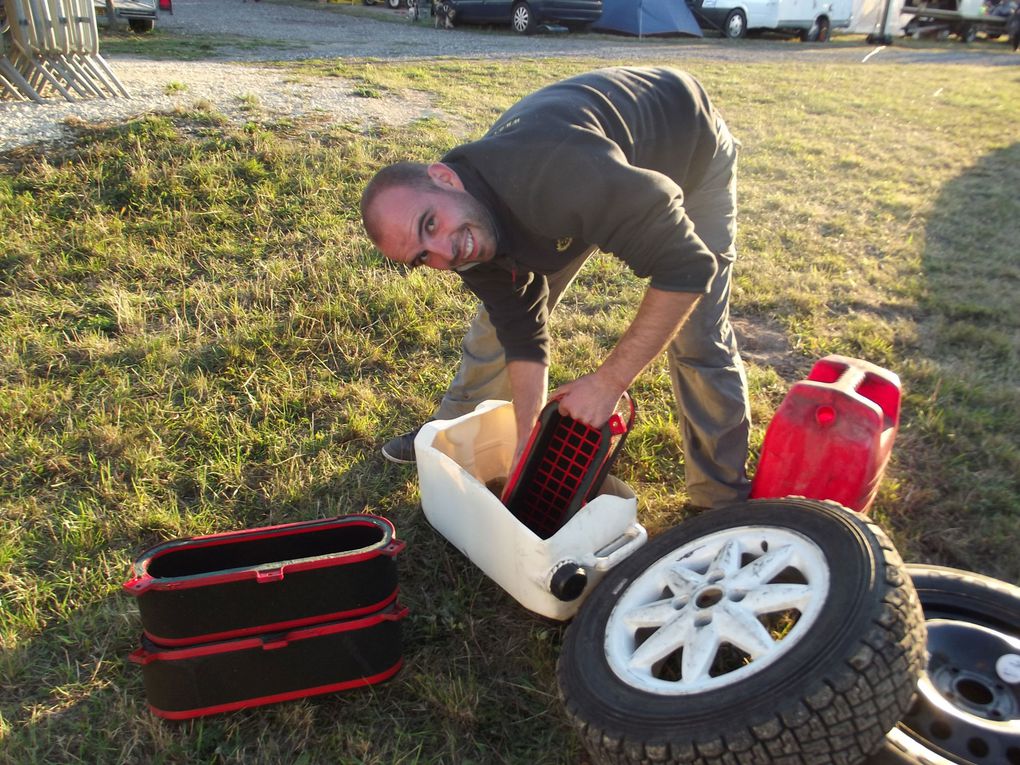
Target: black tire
(824, 30)
(393, 3)
(965, 711)
(820, 31)
(969, 34)
(827, 692)
(735, 26)
(522, 19)
(141, 26)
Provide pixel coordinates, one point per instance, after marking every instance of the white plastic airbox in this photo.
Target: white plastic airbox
(552, 577)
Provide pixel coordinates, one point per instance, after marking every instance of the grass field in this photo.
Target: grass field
(196, 336)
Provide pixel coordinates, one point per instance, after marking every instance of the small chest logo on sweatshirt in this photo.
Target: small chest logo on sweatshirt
(562, 245)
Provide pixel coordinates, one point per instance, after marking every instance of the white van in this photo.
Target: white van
(812, 20)
(140, 15)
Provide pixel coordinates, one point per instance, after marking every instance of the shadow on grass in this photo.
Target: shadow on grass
(963, 395)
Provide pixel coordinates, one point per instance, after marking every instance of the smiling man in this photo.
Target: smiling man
(630, 161)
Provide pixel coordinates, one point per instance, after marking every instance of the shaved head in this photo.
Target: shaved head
(407, 175)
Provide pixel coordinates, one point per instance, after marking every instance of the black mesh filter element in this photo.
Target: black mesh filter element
(563, 467)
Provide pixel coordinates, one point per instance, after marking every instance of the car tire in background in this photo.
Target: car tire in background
(735, 26)
(765, 629)
(967, 708)
(523, 19)
(820, 31)
(141, 26)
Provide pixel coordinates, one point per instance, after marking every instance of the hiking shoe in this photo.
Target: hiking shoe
(400, 448)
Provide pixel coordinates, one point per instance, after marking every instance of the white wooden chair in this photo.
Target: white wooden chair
(55, 46)
(13, 85)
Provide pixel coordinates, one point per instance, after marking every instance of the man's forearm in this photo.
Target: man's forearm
(658, 319)
(592, 398)
(529, 387)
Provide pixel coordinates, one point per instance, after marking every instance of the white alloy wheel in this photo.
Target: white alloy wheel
(695, 620)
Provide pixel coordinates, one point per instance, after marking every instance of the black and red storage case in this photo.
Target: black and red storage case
(211, 678)
(261, 615)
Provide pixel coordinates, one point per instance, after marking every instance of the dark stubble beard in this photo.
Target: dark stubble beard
(477, 216)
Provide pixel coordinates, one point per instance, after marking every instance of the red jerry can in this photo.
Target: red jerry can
(832, 435)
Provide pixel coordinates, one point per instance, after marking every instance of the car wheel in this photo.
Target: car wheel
(735, 25)
(967, 708)
(747, 634)
(824, 30)
(820, 31)
(141, 26)
(522, 19)
(393, 3)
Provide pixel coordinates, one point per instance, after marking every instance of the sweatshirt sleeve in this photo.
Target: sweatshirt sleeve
(517, 305)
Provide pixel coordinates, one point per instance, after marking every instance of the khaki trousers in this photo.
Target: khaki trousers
(708, 376)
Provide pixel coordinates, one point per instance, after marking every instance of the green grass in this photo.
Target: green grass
(196, 336)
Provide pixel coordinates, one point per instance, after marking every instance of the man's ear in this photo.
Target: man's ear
(444, 175)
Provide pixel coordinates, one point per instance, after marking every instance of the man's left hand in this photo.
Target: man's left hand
(589, 399)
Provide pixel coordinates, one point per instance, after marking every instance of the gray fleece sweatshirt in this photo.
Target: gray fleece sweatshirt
(599, 160)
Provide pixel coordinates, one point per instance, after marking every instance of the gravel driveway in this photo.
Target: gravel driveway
(314, 30)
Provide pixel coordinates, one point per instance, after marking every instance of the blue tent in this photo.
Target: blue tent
(647, 17)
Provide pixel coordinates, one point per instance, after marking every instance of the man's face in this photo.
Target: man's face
(445, 228)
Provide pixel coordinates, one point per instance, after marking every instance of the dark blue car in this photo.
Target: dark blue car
(525, 16)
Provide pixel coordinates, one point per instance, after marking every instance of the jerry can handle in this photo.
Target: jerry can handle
(633, 538)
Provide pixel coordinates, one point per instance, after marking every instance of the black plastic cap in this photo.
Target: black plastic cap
(568, 582)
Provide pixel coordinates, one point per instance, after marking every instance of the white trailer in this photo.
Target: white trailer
(812, 20)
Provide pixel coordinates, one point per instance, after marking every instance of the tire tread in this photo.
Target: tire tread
(856, 704)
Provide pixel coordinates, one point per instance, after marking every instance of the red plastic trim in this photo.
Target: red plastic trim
(273, 627)
(142, 656)
(279, 697)
(616, 426)
(143, 581)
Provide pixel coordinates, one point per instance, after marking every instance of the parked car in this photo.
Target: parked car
(139, 14)
(812, 20)
(525, 16)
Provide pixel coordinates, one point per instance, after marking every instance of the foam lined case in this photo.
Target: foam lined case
(212, 678)
(248, 582)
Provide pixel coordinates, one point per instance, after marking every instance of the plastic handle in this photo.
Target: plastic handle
(635, 536)
(139, 656)
(139, 584)
(394, 548)
(617, 425)
(399, 612)
(270, 575)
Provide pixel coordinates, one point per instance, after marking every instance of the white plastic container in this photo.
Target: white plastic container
(552, 577)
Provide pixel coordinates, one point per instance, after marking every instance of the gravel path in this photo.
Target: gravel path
(313, 30)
